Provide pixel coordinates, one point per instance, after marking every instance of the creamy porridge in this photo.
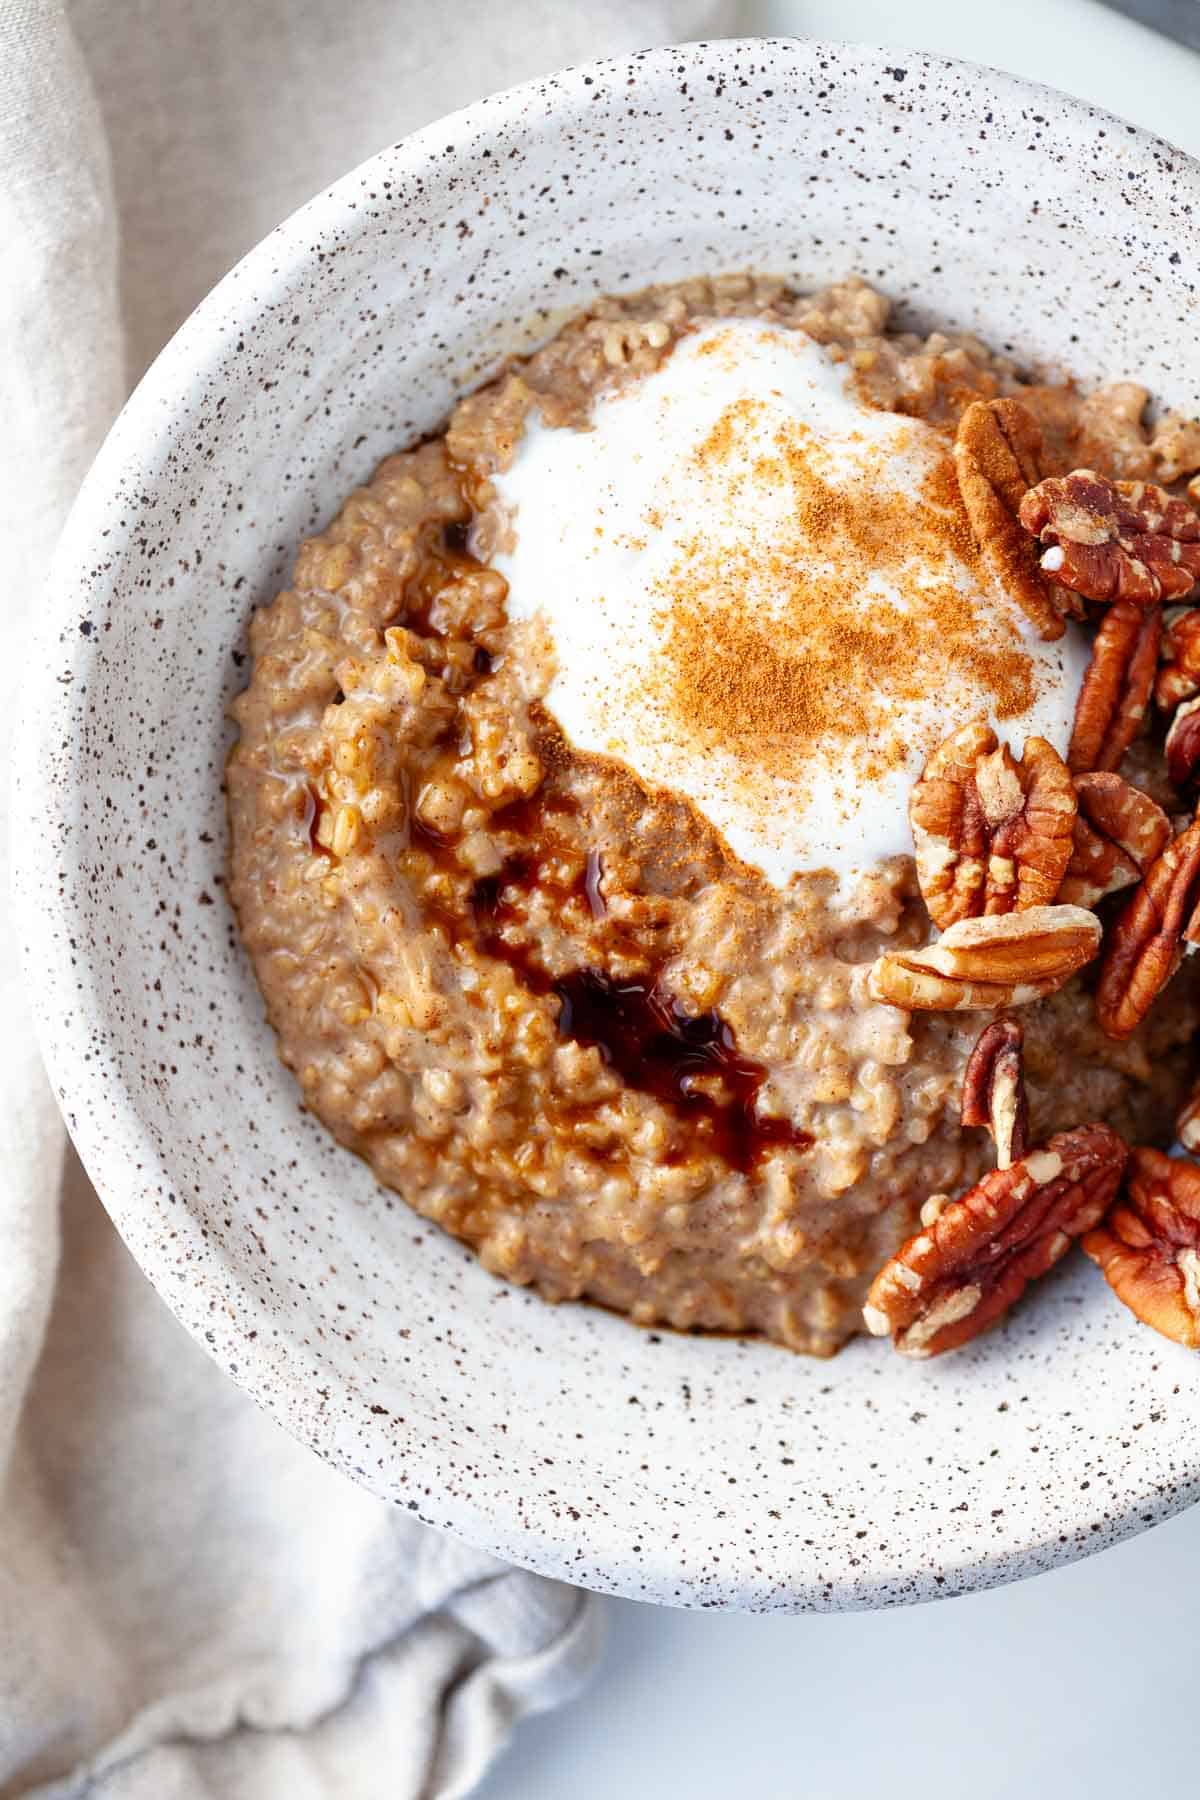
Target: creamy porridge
(570, 806)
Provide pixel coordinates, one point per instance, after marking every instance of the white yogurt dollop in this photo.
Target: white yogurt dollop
(761, 594)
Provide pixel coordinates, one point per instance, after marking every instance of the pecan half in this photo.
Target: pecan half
(1119, 831)
(1114, 540)
(1183, 743)
(1187, 1120)
(1179, 677)
(987, 963)
(993, 1092)
(1148, 1248)
(990, 835)
(1145, 946)
(959, 1275)
(1115, 690)
(998, 456)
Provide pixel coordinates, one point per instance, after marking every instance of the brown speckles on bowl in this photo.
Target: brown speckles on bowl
(698, 1471)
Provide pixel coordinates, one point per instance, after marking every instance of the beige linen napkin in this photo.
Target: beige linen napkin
(190, 1603)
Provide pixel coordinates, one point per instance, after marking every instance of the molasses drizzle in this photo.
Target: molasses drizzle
(643, 1033)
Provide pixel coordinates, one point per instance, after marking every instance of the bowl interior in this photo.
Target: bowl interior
(699, 1471)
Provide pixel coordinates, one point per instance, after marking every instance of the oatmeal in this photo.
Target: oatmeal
(567, 877)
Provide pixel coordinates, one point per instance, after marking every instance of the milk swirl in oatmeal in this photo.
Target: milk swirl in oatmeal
(549, 929)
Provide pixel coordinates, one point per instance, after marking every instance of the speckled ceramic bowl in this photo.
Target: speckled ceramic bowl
(698, 1471)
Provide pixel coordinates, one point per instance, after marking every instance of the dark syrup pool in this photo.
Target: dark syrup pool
(644, 1035)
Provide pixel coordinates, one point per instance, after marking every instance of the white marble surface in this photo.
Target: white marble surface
(1079, 1684)
(1053, 1684)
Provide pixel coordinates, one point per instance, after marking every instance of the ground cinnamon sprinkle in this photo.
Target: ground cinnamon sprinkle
(832, 656)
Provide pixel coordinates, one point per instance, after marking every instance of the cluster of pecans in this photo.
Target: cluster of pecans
(1014, 855)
